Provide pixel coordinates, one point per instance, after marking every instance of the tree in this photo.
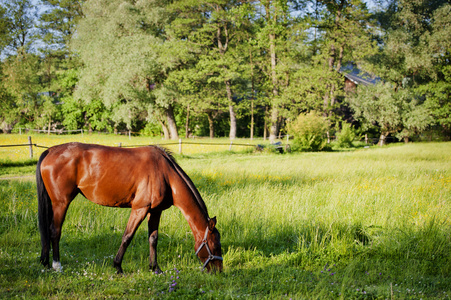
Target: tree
(8, 108)
(273, 33)
(415, 52)
(344, 36)
(22, 84)
(214, 30)
(393, 111)
(58, 23)
(438, 90)
(125, 63)
(5, 25)
(21, 15)
(46, 113)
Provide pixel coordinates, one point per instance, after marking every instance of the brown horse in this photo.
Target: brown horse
(146, 179)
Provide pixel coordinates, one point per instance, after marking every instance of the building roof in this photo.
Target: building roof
(357, 76)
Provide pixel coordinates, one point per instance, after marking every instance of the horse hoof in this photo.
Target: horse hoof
(56, 265)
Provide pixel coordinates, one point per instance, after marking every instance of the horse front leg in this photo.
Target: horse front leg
(153, 223)
(136, 217)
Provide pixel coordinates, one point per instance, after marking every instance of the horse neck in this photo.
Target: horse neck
(189, 206)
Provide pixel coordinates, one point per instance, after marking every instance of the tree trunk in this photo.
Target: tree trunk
(187, 123)
(274, 129)
(211, 125)
(265, 127)
(382, 139)
(171, 123)
(252, 118)
(232, 134)
(165, 130)
(274, 111)
(253, 92)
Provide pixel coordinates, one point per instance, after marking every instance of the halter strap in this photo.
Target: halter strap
(210, 255)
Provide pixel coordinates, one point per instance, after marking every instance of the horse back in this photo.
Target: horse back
(110, 176)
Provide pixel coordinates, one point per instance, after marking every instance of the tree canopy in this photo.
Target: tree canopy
(225, 68)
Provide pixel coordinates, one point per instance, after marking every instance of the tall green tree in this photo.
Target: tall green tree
(394, 112)
(214, 30)
(5, 25)
(125, 63)
(21, 79)
(415, 52)
(344, 37)
(22, 16)
(58, 23)
(22, 85)
(438, 90)
(8, 108)
(273, 37)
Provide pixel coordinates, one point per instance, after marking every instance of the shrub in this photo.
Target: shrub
(345, 136)
(309, 131)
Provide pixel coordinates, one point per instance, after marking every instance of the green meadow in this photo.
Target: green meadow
(361, 224)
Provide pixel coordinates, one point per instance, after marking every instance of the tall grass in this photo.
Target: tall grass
(372, 223)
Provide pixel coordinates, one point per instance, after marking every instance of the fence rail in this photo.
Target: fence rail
(30, 144)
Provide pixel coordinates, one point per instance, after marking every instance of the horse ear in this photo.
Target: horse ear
(212, 223)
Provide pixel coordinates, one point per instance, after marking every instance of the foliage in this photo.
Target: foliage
(5, 24)
(345, 137)
(20, 17)
(219, 67)
(397, 112)
(414, 52)
(21, 84)
(309, 131)
(55, 33)
(323, 226)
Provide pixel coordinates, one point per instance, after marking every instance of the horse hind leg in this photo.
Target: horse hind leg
(153, 224)
(59, 213)
(136, 217)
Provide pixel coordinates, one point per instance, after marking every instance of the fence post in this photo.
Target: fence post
(31, 146)
(120, 145)
(180, 146)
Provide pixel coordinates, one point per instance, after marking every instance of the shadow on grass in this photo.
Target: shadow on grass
(13, 164)
(26, 167)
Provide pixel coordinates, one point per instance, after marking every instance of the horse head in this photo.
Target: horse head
(209, 249)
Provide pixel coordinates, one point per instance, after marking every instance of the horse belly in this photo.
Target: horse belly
(114, 193)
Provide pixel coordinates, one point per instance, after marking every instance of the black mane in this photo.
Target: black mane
(168, 155)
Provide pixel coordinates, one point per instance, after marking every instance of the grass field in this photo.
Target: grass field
(365, 224)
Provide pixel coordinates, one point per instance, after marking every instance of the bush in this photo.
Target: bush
(346, 136)
(309, 131)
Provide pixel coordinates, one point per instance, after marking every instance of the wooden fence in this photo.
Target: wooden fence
(179, 143)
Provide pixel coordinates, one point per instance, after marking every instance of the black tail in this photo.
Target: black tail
(45, 213)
